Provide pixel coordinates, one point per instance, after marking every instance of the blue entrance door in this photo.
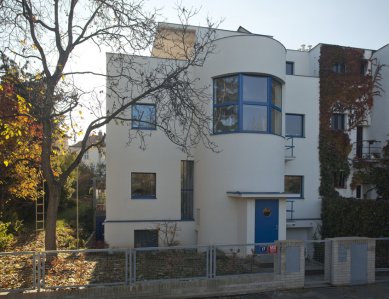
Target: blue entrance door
(266, 221)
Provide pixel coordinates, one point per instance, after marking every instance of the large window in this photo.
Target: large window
(143, 116)
(187, 172)
(294, 184)
(247, 103)
(143, 185)
(338, 121)
(145, 238)
(294, 125)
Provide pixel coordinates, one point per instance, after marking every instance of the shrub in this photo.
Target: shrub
(6, 238)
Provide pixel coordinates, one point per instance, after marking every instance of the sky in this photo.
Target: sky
(355, 23)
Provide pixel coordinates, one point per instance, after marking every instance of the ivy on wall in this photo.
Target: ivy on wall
(346, 87)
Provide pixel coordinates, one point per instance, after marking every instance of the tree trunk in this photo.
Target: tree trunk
(54, 191)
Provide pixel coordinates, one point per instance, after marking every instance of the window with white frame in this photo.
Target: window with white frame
(247, 103)
(338, 121)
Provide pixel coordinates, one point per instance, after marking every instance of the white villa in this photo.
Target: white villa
(264, 184)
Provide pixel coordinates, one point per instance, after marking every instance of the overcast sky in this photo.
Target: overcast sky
(355, 23)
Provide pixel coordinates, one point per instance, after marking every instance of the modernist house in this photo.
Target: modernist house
(264, 184)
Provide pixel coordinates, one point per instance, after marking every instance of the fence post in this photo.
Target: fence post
(134, 265)
(126, 266)
(38, 268)
(211, 262)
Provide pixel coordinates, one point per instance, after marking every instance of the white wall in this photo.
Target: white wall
(160, 156)
(302, 97)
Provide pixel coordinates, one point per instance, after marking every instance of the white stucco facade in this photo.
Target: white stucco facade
(231, 187)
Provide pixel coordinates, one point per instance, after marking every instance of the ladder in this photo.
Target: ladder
(40, 211)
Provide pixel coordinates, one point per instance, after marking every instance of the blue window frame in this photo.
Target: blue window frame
(143, 117)
(290, 68)
(247, 103)
(143, 185)
(187, 174)
(294, 125)
(294, 184)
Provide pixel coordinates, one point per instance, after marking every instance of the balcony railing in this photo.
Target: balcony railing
(289, 210)
(289, 148)
(367, 150)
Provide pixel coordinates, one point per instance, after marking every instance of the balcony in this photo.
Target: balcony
(289, 149)
(289, 210)
(367, 150)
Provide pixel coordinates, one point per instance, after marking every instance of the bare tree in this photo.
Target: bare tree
(46, 35)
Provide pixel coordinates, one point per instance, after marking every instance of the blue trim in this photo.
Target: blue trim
(152, 220)
(243, 192)
(140, 127)
(143, 197)
(151, 196)
(302, 186)
(241, 102)
(302, 125)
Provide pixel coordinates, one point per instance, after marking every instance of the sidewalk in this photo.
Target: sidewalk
(379, 290)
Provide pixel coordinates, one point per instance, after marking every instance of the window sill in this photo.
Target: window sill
(142, 197)
(144, 129)
(292, 136)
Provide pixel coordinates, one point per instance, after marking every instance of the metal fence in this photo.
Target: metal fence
(382, 259)
(316, 261)
(19, 270)
(244, 259)
(75, 268)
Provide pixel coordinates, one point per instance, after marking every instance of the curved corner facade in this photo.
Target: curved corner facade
(266, 161)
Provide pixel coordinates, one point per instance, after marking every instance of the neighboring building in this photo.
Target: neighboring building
(264, 185)
(95, 156)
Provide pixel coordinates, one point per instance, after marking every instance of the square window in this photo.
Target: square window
(290, 68)
(143, 185)
(143, 117)
(255, 118)
(338, 121)
(145, 238)
(294, 184)
(255, 89)
(339, 68)
(294, 125)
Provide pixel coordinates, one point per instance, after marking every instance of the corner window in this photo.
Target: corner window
(187, 172)
(294, 184)
(143, 117)
(294, 125)
(143, 185)
(339, 68)
(338, 121)
(145, 238)
(289, 68)
(247, 103)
